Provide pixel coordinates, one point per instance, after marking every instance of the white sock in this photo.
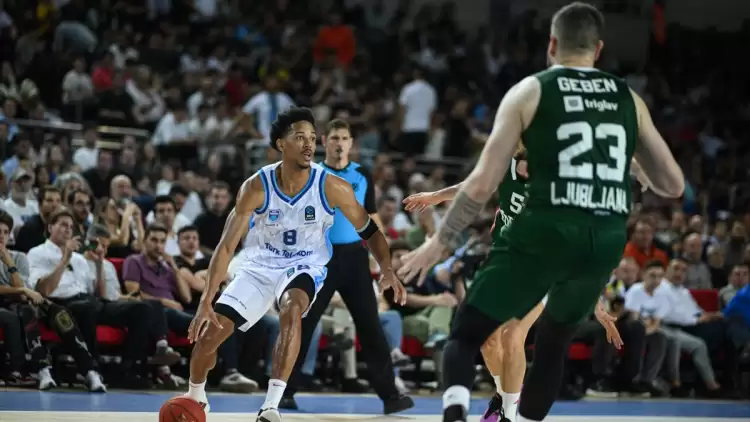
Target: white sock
(197, 392)
(498, 384)
(522, 419)
(273, 396)
(162, 343)
(457, 394)
(510, 405)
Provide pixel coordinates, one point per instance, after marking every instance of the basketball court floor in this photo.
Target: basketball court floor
(72, 406)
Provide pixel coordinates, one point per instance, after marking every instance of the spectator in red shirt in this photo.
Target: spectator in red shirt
(337, 37)
(641, 245)
(103, 74)
(235, 87)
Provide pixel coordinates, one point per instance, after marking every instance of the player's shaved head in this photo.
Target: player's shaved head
(578, 28)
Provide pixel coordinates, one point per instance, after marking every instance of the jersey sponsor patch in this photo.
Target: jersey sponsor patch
(302, 267)
(355, 186)
(309, 213)
(274, 215)
(289, 272)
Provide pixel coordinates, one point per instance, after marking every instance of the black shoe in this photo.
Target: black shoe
(456, 413)
(569, 393)
(682, 391)
(495, 407)
(397, 404)
(353, 386)
(637, 389)
(310, 384)
(134, 382)
(340, 343)
(602, 389)
(288, 403)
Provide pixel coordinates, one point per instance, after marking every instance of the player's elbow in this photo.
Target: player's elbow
(673, 187)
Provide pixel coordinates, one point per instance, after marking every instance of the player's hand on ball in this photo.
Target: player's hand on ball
(608, 322)
(417, 263)
(201, 321)
(420, 201)
(389, 281)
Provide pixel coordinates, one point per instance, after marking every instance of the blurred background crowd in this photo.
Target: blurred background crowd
(132, 123)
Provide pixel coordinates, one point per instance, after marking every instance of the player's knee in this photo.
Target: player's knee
(514, 337)
(213, 337)
(293, 304)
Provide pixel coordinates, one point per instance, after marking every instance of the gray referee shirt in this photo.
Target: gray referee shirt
(23, 268)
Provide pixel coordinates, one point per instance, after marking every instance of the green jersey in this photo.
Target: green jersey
(579, 145)
(511, 197)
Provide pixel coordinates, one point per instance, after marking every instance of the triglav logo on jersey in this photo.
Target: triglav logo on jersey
(309, 213)
(274, 215)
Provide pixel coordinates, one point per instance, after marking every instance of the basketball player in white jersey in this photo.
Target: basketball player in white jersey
(291, 205)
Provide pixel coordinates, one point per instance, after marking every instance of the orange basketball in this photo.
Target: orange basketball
(181, 409)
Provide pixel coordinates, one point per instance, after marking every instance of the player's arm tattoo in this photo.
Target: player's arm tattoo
(462, 212)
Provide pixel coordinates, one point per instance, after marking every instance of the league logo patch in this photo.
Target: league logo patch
(274, 215)
(289, 272)
(309, 213)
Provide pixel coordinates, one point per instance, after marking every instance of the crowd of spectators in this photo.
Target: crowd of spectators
(101, 228)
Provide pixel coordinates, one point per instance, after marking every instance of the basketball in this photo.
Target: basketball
(181, 409)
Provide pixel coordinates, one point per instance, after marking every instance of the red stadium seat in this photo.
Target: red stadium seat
(117, 262)
(176, 341)
(708, 299)
(577, 351)
(412, 347)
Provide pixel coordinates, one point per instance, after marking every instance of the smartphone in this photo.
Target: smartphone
(92, 245)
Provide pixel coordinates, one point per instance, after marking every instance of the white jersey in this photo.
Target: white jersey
(285, 231)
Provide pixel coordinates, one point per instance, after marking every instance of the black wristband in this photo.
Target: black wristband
(12, 270)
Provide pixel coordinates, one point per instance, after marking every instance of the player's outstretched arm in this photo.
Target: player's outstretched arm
(422, 200)
(515, 112)
(250, 197)
(654, 158)
(340, 195)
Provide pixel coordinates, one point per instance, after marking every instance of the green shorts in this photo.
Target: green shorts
(566, 253)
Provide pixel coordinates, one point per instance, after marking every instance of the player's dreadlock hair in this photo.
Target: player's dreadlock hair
(284, 121)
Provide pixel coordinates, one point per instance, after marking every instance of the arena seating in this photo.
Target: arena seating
(708, 299)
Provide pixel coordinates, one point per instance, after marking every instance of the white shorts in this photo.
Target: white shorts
(254, 289)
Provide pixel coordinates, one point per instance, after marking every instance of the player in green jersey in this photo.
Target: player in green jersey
(504, 351)
(581, 127)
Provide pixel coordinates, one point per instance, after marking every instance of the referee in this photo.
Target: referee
(349, 274)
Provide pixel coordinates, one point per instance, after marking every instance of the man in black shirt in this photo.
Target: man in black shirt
(115, 105)
(192, 269)
(34, 231)
(210, 223)
(100, 177)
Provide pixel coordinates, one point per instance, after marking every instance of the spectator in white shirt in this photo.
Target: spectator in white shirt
(266, 105)
(698, 274)
(680, 341)
(711, 327)
(63, 275)
(417, 101)
(191, 61)
(77, 86)
(19, 204)
(644, 304)
(205, 96)
(149, 106)
(87, 155)
(173, 128)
